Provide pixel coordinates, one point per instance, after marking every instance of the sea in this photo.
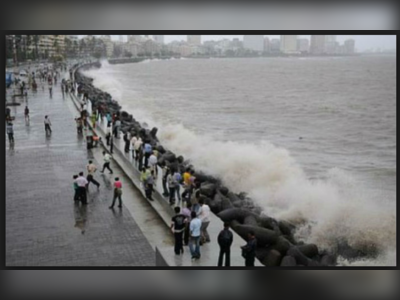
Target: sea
(310, 140)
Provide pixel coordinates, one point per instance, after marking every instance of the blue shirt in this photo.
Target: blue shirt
(148, 148)
(195, 226)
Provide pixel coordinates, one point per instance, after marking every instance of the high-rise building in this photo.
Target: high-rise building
(303, 45)
(330, 38)
(317, 44)
(109, 44)
(267, 46)
(275, 46)
(349, 46)
(254, 42)
(159, 39)
(194, 40)
(330, 44)
(73, 38)
(289, 44)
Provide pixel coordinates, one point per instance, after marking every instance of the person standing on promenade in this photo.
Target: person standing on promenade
(194, 244)
(93, 119)
(10, 132)
(117, 193)
(107, 160)
(50, 82)
(225, 240)
(153, 164)
(109, 119)
(177, 228)
(249, 250)
(165, 173)
(147, 152)
(138, 152)
(171, 186)
(76, 196)
(149, 185)
(82, 182)
(186, 211)
(133, 141)
(108, 135)
(127, 142)
(47, 124)
(117, 126)
(186, 185)
(178, 178)
(26, 114)
(205, 221)
(91, 168)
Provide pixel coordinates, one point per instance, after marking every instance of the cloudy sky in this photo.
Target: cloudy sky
(363, 42)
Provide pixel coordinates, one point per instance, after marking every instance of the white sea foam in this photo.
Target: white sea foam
(334, 209)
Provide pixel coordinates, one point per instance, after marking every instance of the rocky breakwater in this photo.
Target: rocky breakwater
(277, 245)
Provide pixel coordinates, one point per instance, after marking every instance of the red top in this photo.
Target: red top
(118, 185)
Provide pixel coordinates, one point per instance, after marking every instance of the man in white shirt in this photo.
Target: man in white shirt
(82, 183)
(107, 160)
(133, 141)
(47, 124)
(205, 221)
(91, 168)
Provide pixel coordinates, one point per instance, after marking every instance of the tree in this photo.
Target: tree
(36, 39)
(68, 47)
(97, 54)
(82, 46)
(9, 47)
(117, 51)
(56, 44)
(128, 54)
(28, 44)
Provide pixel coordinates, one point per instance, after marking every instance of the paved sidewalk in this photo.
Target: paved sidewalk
(43, 225)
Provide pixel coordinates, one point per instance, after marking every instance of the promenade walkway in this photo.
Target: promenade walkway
(43, 225)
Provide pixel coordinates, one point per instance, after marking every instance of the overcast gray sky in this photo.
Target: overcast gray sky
(363, 42)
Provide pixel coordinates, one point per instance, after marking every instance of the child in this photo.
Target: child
(76, 197)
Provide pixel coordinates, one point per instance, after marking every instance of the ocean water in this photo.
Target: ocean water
(313, 141)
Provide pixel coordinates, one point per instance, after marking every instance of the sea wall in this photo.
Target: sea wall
(277, 245)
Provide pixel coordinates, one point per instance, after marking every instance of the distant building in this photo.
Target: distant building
(254, 42)
(237, 43)
(267, 46)
(151, 47)
(73, 38)
(194, 40)
(159, 39)
(275, 46)
(331, 45)
(303, 45)
(317, 44)
(289, 44)
(135, 38)
(109, 44)
(349, 46)
(330, 38)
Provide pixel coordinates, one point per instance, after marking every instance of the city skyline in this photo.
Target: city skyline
(363, 42)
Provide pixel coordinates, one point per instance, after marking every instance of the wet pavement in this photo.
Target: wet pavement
(43, 225)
